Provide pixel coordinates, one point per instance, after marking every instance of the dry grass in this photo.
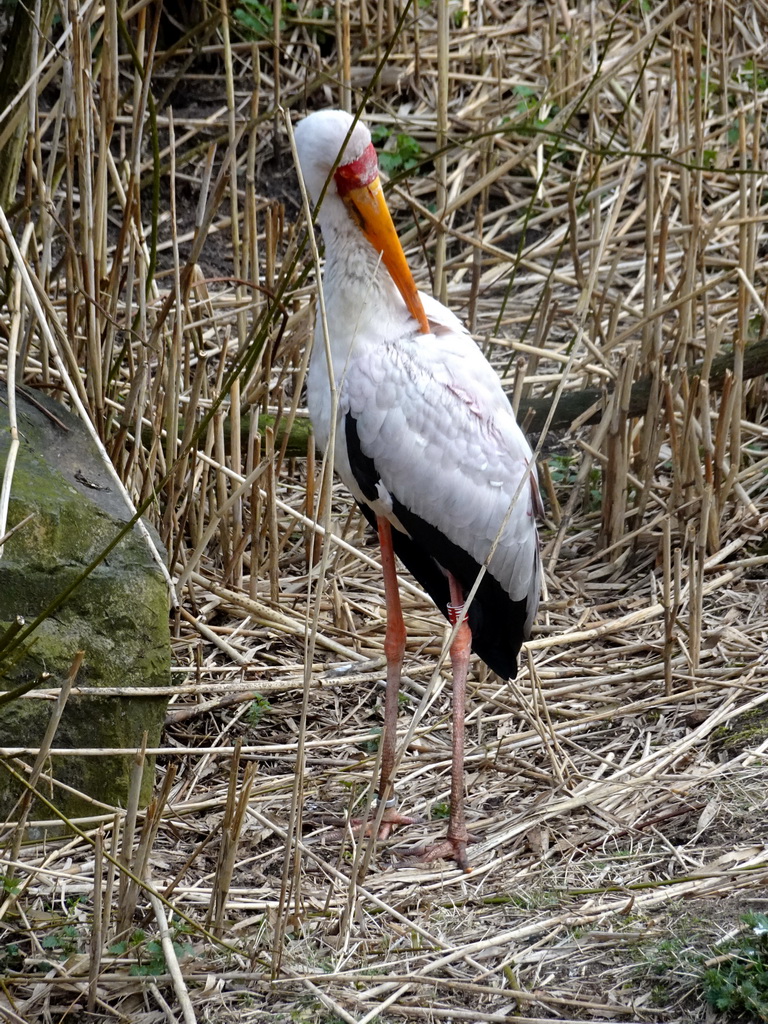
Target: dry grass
(598, 180)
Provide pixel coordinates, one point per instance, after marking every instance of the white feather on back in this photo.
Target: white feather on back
(445, 443)
(430, 410)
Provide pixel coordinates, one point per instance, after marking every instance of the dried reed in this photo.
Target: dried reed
(589, 194)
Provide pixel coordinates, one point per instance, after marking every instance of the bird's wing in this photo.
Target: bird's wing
(434, 424)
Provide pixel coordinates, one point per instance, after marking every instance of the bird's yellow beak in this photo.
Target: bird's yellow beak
(368, 206)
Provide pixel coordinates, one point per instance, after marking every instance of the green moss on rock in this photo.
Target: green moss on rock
(118, 615)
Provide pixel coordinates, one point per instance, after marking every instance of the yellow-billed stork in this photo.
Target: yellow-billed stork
(425, 439)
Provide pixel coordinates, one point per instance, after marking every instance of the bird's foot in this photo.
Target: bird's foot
(363, 828)
(390, 819)
(450, 848)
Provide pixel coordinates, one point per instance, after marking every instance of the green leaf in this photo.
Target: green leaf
(258, 707)
(406, 155)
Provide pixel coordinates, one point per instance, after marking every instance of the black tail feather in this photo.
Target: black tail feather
(495, 620)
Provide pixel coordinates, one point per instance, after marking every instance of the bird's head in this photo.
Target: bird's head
(353, 180)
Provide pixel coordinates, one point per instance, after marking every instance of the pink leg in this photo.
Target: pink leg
(394, 647)
(454, 846)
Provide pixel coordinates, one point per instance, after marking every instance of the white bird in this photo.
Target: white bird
(425, 439)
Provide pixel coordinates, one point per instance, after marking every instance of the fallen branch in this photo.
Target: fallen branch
(573, 404)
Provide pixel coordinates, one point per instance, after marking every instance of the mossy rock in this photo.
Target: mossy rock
(749, 729)
(117, 615)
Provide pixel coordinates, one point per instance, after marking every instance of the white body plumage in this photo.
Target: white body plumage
(429, 411)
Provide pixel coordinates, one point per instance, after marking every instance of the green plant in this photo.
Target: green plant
(737, 982)
(528, 102)
(441, 810)
(258, 707)
(135, 939)
(527, 98)
(11, 957)
(753, 75)
(255, 18)
(666, 963)
(62, 942)
(9, 884)
(563, 470)
(405, 155)
(372, 745)
(150, 958)
(153, 958)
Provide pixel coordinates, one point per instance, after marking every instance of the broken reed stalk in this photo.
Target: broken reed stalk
(128, 888)
(172, 960)
(175, 358)
(440, 282)
(344, 48)
(13, 448)
(96, 944)
(669, 606)
(231, 829)
(109, 889)
(152, 818)
(46, 743)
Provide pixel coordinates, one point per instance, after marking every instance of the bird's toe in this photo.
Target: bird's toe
(450, 848)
